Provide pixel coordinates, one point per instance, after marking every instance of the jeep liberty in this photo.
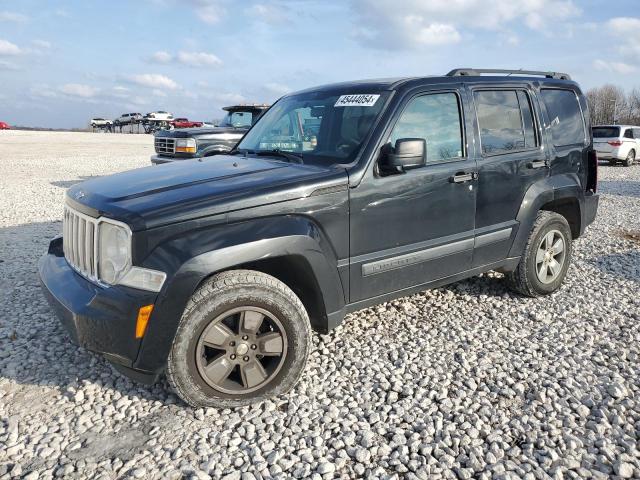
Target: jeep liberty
(215, 271)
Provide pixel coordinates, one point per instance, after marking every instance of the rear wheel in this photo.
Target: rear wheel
(244, 337)
(546, 257)
(631, 157)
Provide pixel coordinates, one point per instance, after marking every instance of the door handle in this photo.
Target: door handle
(538, 164)
(462, 177)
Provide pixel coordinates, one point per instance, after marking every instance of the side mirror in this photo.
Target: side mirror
(407, 153)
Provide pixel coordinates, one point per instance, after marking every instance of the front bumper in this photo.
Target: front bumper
(100, 319)
(159, 160)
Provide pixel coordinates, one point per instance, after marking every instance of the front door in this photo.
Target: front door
(416, 226)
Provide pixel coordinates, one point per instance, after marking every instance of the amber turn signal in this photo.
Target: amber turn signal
(143, 318)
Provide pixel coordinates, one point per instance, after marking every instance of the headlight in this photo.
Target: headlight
(186, 145)
(114, 259)
(114, 249)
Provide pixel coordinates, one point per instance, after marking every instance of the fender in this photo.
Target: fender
(542, 192)
(204, 252)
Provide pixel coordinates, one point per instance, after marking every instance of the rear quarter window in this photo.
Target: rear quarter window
(565, 117)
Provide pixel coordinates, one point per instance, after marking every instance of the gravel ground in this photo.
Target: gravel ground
(467, 381)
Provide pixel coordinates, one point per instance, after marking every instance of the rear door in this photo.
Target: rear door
(510, 160)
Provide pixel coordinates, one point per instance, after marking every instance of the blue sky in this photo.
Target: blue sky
(62, 62)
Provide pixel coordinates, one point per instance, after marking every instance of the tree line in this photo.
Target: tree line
(610, 104)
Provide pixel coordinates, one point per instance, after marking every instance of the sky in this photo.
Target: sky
(64, 62)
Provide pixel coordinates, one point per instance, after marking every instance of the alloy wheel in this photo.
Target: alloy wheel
(550, 257)
(241, 350)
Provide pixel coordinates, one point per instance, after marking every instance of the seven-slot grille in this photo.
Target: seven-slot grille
(165, 145)
(79, 241)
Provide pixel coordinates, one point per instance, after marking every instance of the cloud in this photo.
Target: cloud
(13, 17)
(8, 48)
(626, 29)
(153, 80)
(390, 24)
(267, 13)
(161, 57)
(198, 59)
(615, 67)
(4, 65)
(623, 26)
(209, 11)
(190, 59)
(79, 90)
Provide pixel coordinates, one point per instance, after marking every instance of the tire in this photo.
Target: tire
(210, 309)
(631, 157)
(525, 279)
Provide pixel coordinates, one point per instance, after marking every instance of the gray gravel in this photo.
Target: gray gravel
(466, 381)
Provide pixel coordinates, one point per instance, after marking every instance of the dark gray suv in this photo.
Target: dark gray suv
(338, 198)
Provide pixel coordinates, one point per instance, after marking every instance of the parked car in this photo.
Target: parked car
(127, 118)
(185, 123)
(617, 143)
(4, 126)
(215, 272)
(100, 122)
(187, 143)
(159, 116)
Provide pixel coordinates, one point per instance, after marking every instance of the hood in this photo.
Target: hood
(200, 131)
(154, 196)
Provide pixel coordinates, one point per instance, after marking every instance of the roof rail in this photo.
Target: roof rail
(474, 72)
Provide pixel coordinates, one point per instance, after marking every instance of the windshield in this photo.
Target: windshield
(606, 132)
(317, 125)
(237, 119)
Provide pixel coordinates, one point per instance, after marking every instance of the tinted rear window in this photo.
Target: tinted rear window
(567, 124)
(506, 121)
(606, 132)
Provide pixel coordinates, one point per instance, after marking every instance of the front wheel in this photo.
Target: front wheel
(244, 337)
(546, 257)
(631, 157)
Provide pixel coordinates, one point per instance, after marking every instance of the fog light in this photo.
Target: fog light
(143, 319)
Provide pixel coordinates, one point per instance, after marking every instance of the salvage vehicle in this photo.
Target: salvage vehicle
(160, 116)
(99, 122)
(185, 123)
(187, 143)
(128, 118)
(617, 143)
(339, 197)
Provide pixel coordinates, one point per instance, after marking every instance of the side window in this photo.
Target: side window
(506, 121)
(436, 118)
(636, 133)
(527, 120)
(567, 123)
(628, 133)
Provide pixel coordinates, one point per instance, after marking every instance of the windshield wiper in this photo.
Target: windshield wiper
(276, 152)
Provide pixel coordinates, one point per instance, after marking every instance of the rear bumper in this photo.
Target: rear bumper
(614, 154)
(100, 319)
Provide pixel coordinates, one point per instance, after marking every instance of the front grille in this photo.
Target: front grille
(79, 240)
(165, 145)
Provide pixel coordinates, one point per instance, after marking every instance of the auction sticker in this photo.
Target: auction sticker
(358, 100)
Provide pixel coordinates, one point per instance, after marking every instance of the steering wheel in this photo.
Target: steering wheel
(346, 146)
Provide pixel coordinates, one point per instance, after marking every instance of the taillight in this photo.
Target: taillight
(615, 143)
(592, 172)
